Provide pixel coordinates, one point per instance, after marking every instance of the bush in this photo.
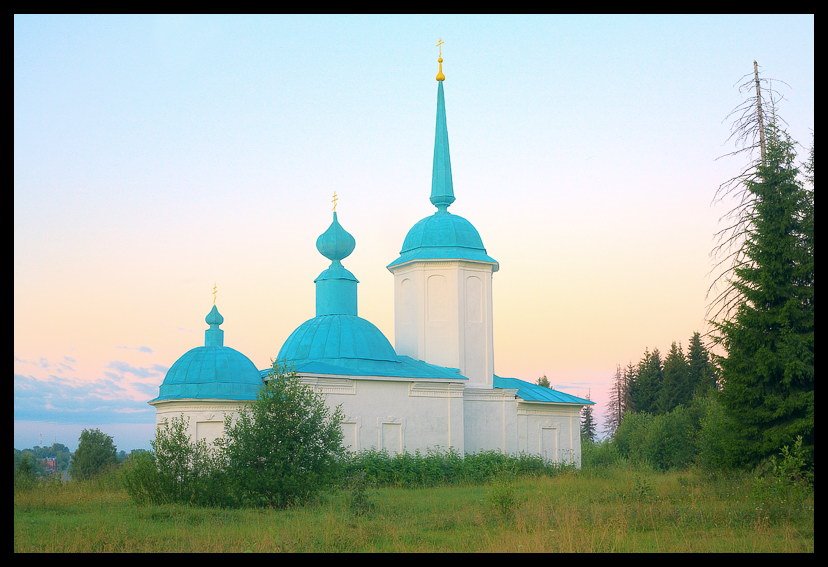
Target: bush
(504, 500)
(359, 502)
(600, 454)
(670, 441)
(718, 446)
(631, 437)
(25, 473)
(791, 466)
(663, 442)
(285, 448)
(178, 470)
(438, 467)
(140, 477)
(95, 453)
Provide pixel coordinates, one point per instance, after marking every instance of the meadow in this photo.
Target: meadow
(612, 509)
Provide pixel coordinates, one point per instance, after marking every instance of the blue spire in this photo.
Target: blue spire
(336, 287)
(442, 190)
(214, 336)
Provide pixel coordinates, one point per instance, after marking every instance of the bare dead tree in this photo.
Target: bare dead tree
(748, 123)
(615, 406)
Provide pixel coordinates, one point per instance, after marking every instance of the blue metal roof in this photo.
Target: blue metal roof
(211, 372)
(349, 345)
(402, 367)
(443, 236)
(535, 393)
(335, 337)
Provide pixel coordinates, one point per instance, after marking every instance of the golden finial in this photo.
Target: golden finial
(440, 76)
(215, 291)
(335, 200)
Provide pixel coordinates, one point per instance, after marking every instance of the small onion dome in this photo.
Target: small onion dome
(214, 317)
(336, 243)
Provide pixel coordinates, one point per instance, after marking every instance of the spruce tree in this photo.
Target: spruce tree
(645, 390)
(587, 424)
(768, 373)
(701, 372)
(676, 389)
(629, 377)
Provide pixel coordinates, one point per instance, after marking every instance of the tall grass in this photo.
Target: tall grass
(614, 509)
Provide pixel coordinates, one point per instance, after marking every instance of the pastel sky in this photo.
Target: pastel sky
(156, 155)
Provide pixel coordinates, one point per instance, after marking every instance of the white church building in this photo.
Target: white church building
(436, 388)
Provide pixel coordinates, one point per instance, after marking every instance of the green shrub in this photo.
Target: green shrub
(631, 437)
(140, 478)
(438, 467)
(663, 442)
(25, 474)
(177, 470)
(791, 466)
(670, 440)
(359, 502)
(600, 454)
(285, 448)
(718, 447)
(504, 500)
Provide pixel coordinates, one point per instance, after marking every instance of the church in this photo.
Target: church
(436, 388)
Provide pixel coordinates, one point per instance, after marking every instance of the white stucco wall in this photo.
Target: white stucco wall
(206, 417)
(490, 420)
(443, 315)
(410, 415)
(396, 415)
(550, 430)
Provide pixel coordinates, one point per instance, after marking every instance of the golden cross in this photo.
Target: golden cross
(215, 291)
(334, 200)
(440, 43)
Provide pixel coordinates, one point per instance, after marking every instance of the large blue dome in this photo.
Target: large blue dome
(332, 338)
(443, 236)
(211, 372)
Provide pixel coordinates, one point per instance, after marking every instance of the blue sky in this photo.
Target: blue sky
(158, 154)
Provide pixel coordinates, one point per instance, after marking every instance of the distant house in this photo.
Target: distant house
(49, 464)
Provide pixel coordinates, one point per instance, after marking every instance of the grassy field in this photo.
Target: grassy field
(609, 510)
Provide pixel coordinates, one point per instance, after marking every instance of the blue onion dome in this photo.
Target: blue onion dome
(332, 338)
(336, 243)
(212, 371)
(214, 317)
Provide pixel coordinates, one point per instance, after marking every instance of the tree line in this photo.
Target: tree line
(754, 402)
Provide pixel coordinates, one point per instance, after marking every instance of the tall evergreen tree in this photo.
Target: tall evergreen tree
(676, 389)
(768, 373)
(629, 377)
(543, 381)
(701, 372)
(587, 424)
(645, 390)
(615, 408)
